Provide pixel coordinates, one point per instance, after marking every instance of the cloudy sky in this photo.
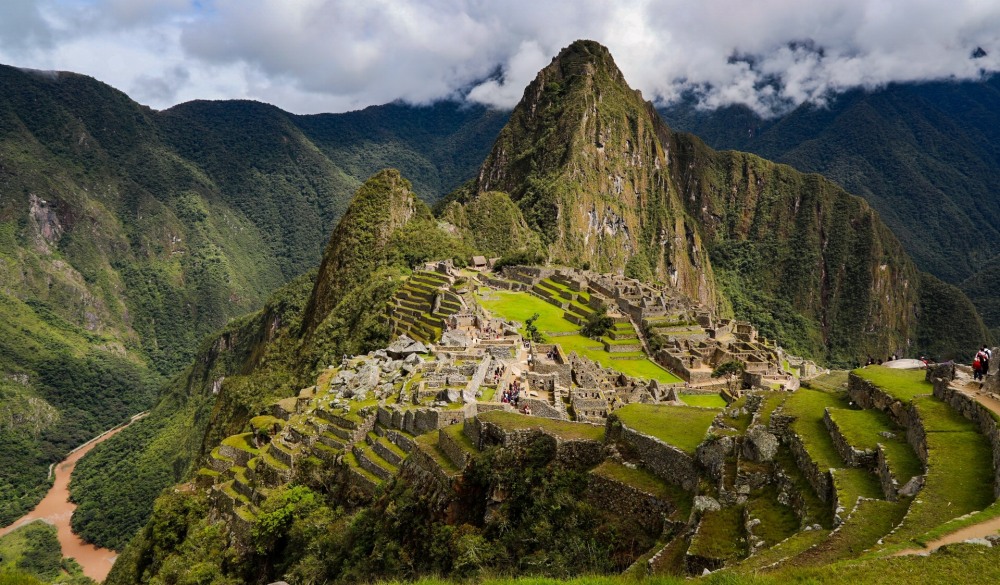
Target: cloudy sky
(311, 56)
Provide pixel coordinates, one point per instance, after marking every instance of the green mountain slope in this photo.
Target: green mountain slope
(926, 156)
(127, 235)
(604, 182)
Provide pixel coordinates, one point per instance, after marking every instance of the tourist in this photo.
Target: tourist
(976, 365)
(984, 366)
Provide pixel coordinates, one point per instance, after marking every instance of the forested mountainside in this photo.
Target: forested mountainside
(926, 156)
(127, 235)
(808, 263)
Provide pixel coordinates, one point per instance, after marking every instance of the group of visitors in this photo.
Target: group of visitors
(497, 372)
(512, 393)
(981, 363)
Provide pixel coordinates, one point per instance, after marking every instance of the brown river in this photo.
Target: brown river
(56, 509)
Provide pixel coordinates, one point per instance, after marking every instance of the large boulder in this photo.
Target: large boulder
(760, 445)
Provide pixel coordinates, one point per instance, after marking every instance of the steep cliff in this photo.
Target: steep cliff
(607, 184)
(581, 157)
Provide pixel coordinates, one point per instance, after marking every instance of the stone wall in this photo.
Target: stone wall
(854, 457)
(868, 395)
(981, 416)
(819, 479)
(454, 451)
(666, 461)
(627, 501)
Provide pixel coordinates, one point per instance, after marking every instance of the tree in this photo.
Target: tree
(733, 370)
(533, 333)
(598, 324)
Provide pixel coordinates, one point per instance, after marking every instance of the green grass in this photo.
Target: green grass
(861, 428)
(704, 400)
(835, 380)
(989, 513)
(519, 306)
(720, 535)
(241, 442)
(777, 521)
(959, 459)
(456, 434)
(683, 427)
(807, 407)
(873, 520)
(901, 384)
(852, 483)
(563, 429)
(637, 368)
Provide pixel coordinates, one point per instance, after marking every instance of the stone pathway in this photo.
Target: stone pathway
(966, 385)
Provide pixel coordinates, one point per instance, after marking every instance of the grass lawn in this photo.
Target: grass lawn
(861, 428)
(683, 427)
(519, 306)
(902, 384)
(807, 406)
(720, 535)
(704, 400)
(563, 429)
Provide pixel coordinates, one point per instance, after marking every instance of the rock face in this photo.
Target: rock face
(760, 445)
(605, 182)
(581, 158)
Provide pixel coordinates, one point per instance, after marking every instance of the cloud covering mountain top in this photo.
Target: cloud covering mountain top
(336, 55)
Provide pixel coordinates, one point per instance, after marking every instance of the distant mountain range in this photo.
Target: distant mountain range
(128, 235)
(926, 156)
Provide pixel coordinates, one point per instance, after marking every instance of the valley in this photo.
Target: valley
(611, 350)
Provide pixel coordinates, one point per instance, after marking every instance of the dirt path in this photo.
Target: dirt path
(56, 509)
(966, 385)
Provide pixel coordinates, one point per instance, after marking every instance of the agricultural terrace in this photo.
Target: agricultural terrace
(683, 427)
(520, 306)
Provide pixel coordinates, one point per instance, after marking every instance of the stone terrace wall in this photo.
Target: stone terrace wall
(628, 501)
(580, 453)
(868, 395)
(666, 461)
(854, 457)
(968, 407)
(819, 479)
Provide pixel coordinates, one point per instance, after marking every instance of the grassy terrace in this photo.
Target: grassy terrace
(703, 400)
(720, 535)
(852, 483)
(241, 442)
(565, 430)
(649, 483)
(861, 428)
(872, 520)
(683, 427)
(807, 407)
(519, 306)
(904, 385)
(959, 459)
(778, 521)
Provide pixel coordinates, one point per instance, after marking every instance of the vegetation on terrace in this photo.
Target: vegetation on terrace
(521, 306)
(684, 427)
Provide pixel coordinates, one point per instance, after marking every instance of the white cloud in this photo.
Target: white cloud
(333, 55)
